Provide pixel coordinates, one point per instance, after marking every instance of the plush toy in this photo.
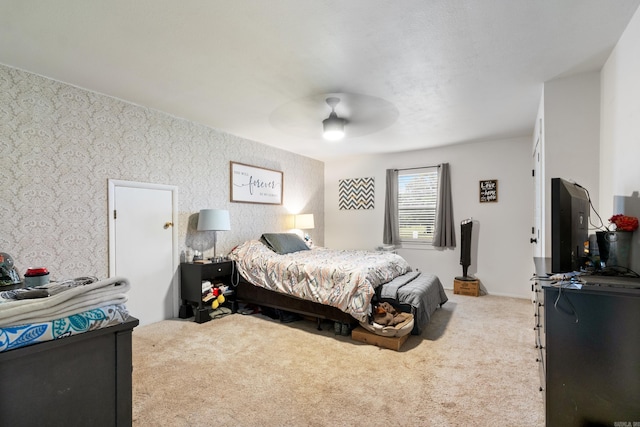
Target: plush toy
(216, 302)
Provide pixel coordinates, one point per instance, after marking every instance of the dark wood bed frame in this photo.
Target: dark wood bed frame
(251, 294)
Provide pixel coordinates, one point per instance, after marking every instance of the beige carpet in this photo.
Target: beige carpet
(474, 365)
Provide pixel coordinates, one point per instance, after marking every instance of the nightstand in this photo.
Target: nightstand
(191, 277)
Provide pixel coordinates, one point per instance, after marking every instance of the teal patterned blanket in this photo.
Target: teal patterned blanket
(60, 309)
(12, 337)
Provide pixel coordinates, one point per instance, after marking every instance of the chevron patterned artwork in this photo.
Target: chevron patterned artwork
(356, 193)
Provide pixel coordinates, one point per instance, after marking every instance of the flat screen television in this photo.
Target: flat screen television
(569, 226)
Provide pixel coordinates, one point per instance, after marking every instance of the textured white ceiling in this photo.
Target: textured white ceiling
(450, 70)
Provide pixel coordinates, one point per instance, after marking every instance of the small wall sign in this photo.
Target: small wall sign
(489, 190)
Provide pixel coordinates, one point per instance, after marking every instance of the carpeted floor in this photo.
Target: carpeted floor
(475, 364)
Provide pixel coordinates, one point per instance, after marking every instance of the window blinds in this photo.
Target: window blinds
(417, 199)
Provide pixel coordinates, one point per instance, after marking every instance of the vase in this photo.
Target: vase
(614, 247)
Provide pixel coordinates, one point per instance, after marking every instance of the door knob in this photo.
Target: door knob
(533, 240)
(167, 225)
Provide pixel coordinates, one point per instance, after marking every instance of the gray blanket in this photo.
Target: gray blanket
(423, 292)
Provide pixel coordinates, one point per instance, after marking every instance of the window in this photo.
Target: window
(417, 199)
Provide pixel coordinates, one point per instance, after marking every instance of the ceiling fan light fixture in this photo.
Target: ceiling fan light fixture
(333, 125)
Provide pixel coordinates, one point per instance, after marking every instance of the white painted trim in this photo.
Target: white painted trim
(112, 184)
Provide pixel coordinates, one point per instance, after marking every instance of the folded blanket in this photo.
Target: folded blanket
(390, 290)
(422, 291)
(63, 301)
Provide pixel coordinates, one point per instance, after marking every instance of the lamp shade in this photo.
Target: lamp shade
(303, 221)
(213, 219)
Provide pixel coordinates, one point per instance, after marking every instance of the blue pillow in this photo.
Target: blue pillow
(284, 243)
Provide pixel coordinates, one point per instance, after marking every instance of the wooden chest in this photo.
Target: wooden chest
(466, 287)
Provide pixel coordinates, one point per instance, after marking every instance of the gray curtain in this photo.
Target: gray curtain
(444, 235)
(391, 234)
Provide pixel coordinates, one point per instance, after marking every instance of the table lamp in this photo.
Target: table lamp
(214, 220)
(303, 222)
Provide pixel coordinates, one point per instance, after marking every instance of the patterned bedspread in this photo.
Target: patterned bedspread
(22, 335)
(345, 279)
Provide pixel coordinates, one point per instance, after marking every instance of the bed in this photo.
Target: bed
(280, 271)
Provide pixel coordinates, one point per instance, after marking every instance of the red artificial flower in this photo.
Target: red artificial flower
(624, 223)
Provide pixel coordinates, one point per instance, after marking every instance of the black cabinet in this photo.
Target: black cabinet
(538, 327)
(81, 380)
(191, 277)
(592, 356)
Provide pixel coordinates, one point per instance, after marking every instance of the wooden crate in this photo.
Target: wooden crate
(392, 343)
(466, 287)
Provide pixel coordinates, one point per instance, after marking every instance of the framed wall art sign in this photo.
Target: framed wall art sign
(356, 193)
(489, 190)
(251, 184)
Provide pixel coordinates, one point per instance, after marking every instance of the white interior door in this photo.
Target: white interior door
(538, 173)
(142, 247)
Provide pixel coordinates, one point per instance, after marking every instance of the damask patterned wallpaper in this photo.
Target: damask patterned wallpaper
(60, 144)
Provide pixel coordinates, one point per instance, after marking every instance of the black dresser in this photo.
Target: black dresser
(592, 345)
(81, 380)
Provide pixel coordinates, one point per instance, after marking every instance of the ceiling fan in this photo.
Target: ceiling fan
(333, 126)
(352, 115)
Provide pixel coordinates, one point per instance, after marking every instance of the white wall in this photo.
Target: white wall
(503, 258)
(571, 137)
(620, 130)
(620, 116)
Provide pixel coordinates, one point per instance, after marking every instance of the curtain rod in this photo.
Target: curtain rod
(420, 167)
